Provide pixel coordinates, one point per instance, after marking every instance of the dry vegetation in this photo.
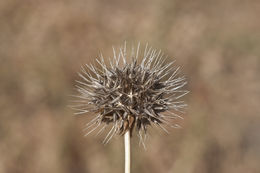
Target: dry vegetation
(44, 42)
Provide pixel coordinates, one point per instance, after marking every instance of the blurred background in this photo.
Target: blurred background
(43, 43)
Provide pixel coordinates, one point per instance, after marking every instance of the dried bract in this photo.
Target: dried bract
(138, 94)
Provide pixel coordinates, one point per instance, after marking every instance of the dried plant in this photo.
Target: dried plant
(131, 95)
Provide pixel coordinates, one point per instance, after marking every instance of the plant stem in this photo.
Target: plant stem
(127, 151)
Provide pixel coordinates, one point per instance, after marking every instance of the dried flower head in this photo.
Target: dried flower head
(131, 95)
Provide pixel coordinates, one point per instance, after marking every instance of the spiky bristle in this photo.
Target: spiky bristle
(131, 95)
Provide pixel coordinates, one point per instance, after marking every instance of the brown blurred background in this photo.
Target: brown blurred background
(43, 43)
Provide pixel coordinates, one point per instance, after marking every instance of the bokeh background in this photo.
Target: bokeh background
(43, 43)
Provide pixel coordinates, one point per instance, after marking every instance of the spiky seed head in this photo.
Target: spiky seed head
(130, 95)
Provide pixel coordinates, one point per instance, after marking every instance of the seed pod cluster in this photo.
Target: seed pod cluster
(130, 95)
